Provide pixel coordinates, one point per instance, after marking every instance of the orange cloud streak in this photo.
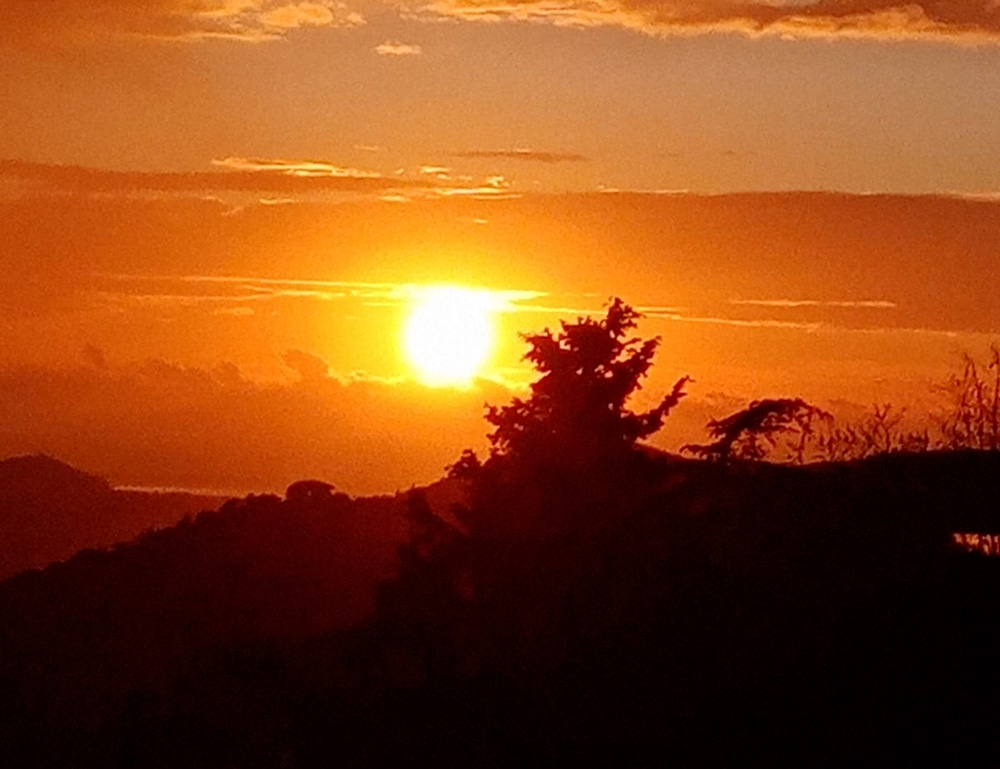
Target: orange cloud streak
(974, 21)
(90, 21)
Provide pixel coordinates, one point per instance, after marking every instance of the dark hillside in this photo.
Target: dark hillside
(711, 610)
(897, 506)
(49, 510)
(715, 611)
(79, 635)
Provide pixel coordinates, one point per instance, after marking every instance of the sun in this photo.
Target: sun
(449, 334)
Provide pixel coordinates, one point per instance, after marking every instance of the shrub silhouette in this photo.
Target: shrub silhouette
(974, 420)
(878, 432)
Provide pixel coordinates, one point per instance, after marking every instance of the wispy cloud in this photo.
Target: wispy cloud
(820, 326)
(739, 322)
(87, 22)
(396, 48)
(168, 299)
(528, 155)
(197, 290)
(495, 187)
(281, 178)
(237, 175)
(974, 21)
(868, 304)
(318, 168)
(229, 293)
(431, 170)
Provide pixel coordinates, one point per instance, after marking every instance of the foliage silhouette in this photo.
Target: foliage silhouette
(974, 419)
(577, 411)
(878, 431)
(309, 491)
(750, 434)
(575, 425)
(476, 592)
(792, 431)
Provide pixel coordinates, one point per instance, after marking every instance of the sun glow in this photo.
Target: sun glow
(449, 334)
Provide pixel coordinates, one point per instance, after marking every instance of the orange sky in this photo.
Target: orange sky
(211, 214)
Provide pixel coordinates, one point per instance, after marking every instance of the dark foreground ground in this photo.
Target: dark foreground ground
(658, 610)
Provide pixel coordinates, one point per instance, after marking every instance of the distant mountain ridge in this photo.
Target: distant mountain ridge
(50, 510)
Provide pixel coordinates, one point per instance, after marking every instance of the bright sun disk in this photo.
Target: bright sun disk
(449, 335)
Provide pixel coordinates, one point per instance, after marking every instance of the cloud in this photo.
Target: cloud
(232, 293)
(867, 304)
(495, 187)
(309, 367)
(957, 20)
(222, 290)
(565, 310)
(740, 323)
(310, 14)
(527, 155)
(91, 21)
(279, 177)
(158, 423)
(302, 168)
(395, 48)
(441, 172)
(827, 327)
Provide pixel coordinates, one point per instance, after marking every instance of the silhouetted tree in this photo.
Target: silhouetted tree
(575, 425)
(749, 434)
(577, 411)
(309, 491)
